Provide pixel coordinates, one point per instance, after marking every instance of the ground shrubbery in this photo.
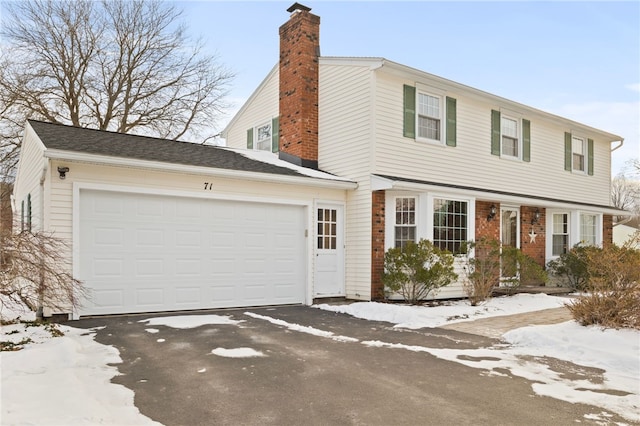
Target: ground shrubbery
(492, 265)
(483, 270)
(612, 285)
(417, 270)
(571, 267)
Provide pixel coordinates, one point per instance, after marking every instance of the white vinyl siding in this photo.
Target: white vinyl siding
(27, 189)
(345, 132)
(471, 163)
(262, 105)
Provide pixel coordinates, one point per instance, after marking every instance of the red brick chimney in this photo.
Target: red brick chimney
(299, 53)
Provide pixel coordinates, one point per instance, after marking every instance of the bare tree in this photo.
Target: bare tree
(33, 269)
(625, 194)
(121, 65)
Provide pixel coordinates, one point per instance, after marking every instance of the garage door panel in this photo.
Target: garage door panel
(143, 253)
(150, 297)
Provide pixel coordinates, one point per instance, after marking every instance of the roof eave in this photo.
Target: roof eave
(379, 182)
(62, 155)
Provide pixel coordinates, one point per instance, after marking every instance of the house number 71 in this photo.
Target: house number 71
(208, 186)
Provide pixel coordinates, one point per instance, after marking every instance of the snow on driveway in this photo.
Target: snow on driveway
(63, 381)
(604, 362)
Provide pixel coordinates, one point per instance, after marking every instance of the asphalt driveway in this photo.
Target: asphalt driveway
(315, 370)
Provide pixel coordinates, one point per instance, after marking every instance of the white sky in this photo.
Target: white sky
(580, 60)
(76, 362)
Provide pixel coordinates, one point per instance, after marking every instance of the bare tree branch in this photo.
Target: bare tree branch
(121, 65)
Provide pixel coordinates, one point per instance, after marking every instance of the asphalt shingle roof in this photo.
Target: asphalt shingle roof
(112, 144)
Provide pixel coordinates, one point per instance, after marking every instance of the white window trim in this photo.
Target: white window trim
(578, 221)
(518, 120)
(390, 221)
(255, 136)
(584, 154)
(574, 229)
(442, 99)
(424, 214)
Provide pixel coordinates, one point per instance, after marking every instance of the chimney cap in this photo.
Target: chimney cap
(297, 6)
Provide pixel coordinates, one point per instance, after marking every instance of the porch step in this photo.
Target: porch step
(533, 289)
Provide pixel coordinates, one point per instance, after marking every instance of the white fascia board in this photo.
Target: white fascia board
(380, 183)
(197, 170)
(246, 104)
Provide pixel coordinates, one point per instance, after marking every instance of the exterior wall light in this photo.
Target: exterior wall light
(536, 217)
(492, 212)
(62, 171)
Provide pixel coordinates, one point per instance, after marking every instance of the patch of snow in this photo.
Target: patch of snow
(302, 328)
(414, 317)
(202, 370)
(152, 330)
(191, 321)
(530, 349)
(161, 340)
(11, 310)
(237, 353)
(270, 158)
(65, 380)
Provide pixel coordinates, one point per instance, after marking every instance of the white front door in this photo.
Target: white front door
(329, 265)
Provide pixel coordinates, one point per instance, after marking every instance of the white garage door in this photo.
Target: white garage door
(149, 253)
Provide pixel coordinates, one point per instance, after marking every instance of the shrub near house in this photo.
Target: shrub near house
(613, 287)
(417, 270)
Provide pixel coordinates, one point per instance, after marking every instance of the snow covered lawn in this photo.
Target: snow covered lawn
(66, 380)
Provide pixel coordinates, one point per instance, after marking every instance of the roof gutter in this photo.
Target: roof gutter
(619, 146)
(61, 155)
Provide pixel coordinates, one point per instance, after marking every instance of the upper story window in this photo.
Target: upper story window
(405, 223)
(510, 136)
(578, 154)
(264, 137)
(430, 117)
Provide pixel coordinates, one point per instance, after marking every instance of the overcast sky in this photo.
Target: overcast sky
(580, 60)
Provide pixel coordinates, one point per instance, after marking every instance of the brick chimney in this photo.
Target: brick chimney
(299, 53)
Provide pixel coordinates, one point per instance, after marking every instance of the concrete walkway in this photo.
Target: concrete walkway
(495, 327)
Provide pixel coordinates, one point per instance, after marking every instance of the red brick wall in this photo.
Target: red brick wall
(535, 250)
(607, 229)
(299, 51)
(377, 244)
(487, 228)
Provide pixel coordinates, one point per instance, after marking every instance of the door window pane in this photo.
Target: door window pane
(327, 229)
